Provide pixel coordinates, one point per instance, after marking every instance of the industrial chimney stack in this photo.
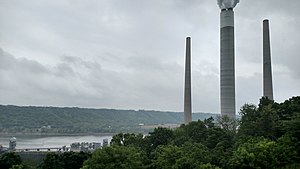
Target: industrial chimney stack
(267, 68)
(187, 84)
(227, 66)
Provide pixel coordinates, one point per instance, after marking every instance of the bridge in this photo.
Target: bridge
(43, 149)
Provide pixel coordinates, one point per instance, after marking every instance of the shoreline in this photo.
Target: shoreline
(56, 134)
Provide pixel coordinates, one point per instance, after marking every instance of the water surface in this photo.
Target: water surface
(50, 141)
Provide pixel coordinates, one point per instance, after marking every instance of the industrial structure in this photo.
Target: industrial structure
(227, 59)
(12, 143)
(187, 84)
(267, 68)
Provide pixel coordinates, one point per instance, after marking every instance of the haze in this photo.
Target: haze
(129, 54)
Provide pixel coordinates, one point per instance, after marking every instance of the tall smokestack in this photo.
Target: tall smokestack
(187, 84)
(267, 69)
(227, 70)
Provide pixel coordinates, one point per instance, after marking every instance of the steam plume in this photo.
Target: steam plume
(224, 4)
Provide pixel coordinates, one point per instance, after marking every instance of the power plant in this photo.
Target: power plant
(227, 64)
(267, 68)
(187, 84)
(227, 58)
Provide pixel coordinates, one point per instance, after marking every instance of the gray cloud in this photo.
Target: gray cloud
(130, 54)
(75, 81)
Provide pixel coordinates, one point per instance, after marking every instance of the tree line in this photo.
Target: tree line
(266, 136)
(47, 120)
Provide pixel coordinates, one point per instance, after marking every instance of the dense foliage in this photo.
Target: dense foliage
(10, 159)
(79, 120)
(116, 157)
(67, 160)
(267, 136)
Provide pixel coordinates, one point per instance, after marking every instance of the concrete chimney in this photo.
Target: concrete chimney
(187, 84)
(227, 66)
(267, 68)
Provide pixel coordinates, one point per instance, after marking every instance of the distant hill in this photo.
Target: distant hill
(30, 119)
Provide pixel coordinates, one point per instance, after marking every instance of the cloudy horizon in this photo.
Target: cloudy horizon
(129, 54)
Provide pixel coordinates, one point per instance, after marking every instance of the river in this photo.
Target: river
(24, 142)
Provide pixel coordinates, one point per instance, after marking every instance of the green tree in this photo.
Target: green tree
(198, 152)
(209, 122)
(9, 159)
(221, 154)
(248, 123)
(268, 122)
(196, 131)
(207, 166)
(188, 156)
(120, 157)
(289, 108)
(285, 151)
(117, 139)
(203, 132)
(128, 139)
(265, 101)
(51, 161)
(184, 163)
(261, 121)
(160, 136)
(73, 160)
(217, 135)
(66, 160)
(165, 156)
(254, 154)
(263, 153)
(180, 136)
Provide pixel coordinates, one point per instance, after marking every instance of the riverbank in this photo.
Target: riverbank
(34, 142)
(54, 134)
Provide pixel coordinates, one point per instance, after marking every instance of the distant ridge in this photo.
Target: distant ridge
(37, 119)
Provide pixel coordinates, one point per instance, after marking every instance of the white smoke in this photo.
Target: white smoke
(224, 4)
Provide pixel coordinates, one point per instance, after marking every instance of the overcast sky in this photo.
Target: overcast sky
(129, 54)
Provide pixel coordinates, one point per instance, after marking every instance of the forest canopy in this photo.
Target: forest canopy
(266, 136)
